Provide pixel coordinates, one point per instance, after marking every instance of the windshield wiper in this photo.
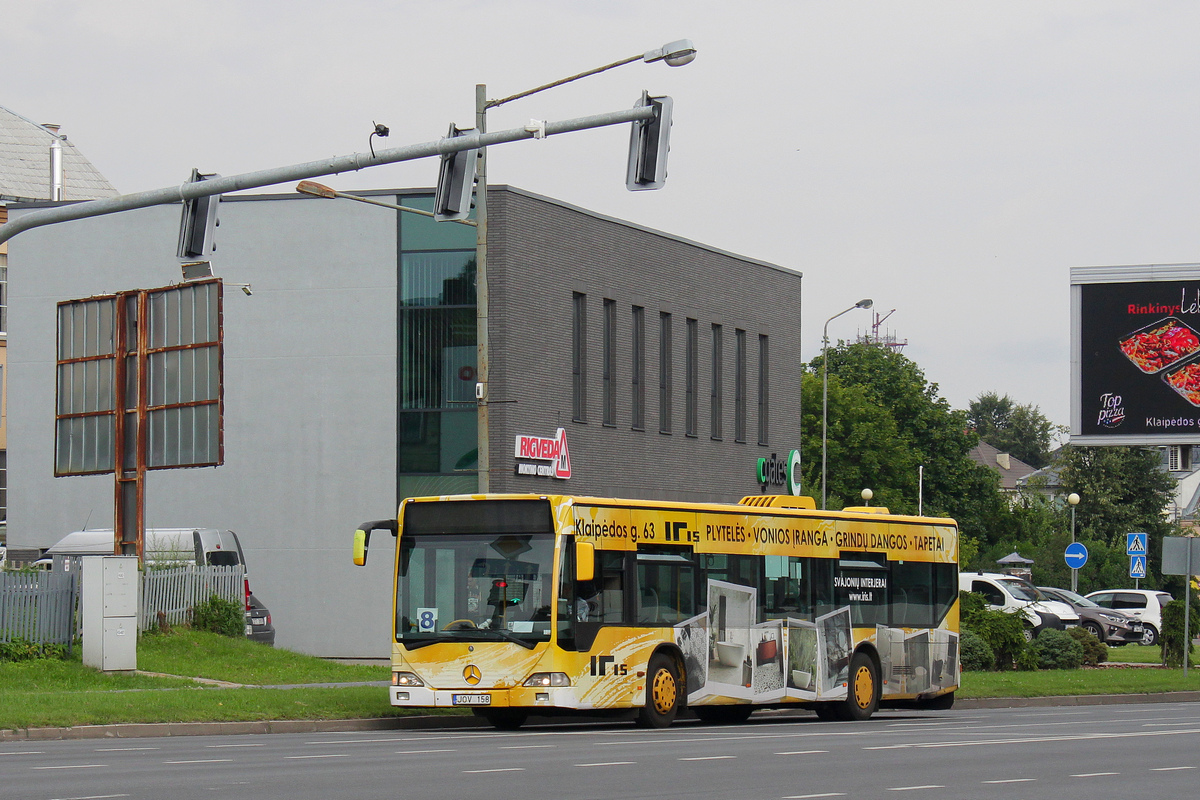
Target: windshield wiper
(465, 634)
(507, 636)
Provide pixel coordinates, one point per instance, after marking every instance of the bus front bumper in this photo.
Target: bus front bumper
(517, 697)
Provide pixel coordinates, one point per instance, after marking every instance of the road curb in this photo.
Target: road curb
(159, 729)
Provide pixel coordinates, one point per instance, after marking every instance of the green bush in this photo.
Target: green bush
(976, 654)
(1094, 651)
(218, 615)
(24, 650)
(1055, 649)
(1171, 638)
(1004, 633)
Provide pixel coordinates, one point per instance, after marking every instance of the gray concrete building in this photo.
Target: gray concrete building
(671, 367)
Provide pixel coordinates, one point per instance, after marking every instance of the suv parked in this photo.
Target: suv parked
(1106, 624)
(1011, 594)
(1144, 605)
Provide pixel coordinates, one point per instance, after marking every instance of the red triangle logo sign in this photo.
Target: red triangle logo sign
(562, 464)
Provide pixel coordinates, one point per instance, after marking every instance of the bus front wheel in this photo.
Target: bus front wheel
(663, 693)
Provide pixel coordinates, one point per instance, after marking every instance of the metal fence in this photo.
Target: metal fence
(38, 606)
(176, 590)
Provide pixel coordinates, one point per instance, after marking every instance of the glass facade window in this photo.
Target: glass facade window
(664, 373)
(579, 357)
(437, 447)
(639, 368)
(610, 362)
(715, 395)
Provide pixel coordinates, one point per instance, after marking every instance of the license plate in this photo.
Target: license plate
(471, 699)
(258, 621)
(1135, 628)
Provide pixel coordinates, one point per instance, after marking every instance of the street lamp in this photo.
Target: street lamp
(1073, 499)
(673, 54)
(867, 494)
(864, 303)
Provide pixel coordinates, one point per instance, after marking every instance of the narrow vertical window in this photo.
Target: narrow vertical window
(610, 362)
(579, 358)
(664, 373)
(639, 368)
(715, 396)
(739, 387)
(764, 387)
(692, 371)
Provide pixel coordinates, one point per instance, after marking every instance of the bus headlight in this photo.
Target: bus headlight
(548, 679)
(406, 679)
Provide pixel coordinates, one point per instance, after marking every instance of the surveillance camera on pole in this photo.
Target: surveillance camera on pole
(649, 143)
(456, 180)
(198, 222)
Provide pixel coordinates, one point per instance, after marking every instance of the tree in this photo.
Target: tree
(1020, 430)
(928, 433)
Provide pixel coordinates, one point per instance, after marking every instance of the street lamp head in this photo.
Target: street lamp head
(675, 54)
(864, 303)
(867, 494)
(315, 189)
(1073, 499)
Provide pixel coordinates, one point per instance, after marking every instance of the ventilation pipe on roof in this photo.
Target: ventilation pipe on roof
(56, 163)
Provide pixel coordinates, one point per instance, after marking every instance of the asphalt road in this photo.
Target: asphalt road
(1146, 751)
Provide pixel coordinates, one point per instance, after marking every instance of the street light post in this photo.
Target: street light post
(864, 303)
(674, 54)
(1073, 499)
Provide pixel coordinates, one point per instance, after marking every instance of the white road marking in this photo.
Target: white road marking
(525, 746)
(93, 797)
(914, 788)
(801, 752)
(73, 766)
(1035, 739)
(706, 758)
(25, 753)
(812, 796)
(201, 761)
(419, 752)
(1168, 769)
(1013, 780)
(502, 769)
(607, 764)
(123, 749)
(326, 755)
(1095, 774)
(215, 746)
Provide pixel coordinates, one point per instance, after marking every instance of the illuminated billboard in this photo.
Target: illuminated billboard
(1135, 355)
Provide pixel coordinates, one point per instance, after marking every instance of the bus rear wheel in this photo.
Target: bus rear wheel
(663, 693)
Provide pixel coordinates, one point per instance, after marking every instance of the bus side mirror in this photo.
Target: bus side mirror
(585, 561)
(362, 537)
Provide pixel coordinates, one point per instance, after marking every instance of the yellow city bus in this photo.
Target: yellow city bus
(514, 605)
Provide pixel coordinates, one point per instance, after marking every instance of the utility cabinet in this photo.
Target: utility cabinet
(110, 609)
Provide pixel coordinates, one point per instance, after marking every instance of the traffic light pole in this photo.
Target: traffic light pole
(310, 169)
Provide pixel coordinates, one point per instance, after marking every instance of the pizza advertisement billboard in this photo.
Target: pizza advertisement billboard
(1136, 355)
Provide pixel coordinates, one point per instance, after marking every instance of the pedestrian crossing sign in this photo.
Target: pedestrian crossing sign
(1135, 544)
(1137, 566)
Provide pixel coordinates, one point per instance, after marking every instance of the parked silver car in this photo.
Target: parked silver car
(1108, 625)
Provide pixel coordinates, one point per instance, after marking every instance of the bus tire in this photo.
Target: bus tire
(862, 690)
(505, 719)
(663, 693)
(724, 715)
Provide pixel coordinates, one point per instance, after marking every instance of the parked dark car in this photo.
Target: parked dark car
(258, 621)
(1108, 625)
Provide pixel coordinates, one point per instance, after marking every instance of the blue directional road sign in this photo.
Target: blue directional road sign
(1076, 555)
(1137, 566)
(1135, 544)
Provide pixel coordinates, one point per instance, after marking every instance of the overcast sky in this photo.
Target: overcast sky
(950, 160)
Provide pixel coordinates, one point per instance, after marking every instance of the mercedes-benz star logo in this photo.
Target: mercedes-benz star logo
(472, 674)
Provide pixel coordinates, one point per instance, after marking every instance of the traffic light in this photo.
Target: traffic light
(198, 222)
(649, 143)
(456, 180)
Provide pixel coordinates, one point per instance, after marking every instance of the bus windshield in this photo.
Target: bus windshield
(482, 578)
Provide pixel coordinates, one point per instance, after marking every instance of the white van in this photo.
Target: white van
(170, 546)
(1008, 593)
